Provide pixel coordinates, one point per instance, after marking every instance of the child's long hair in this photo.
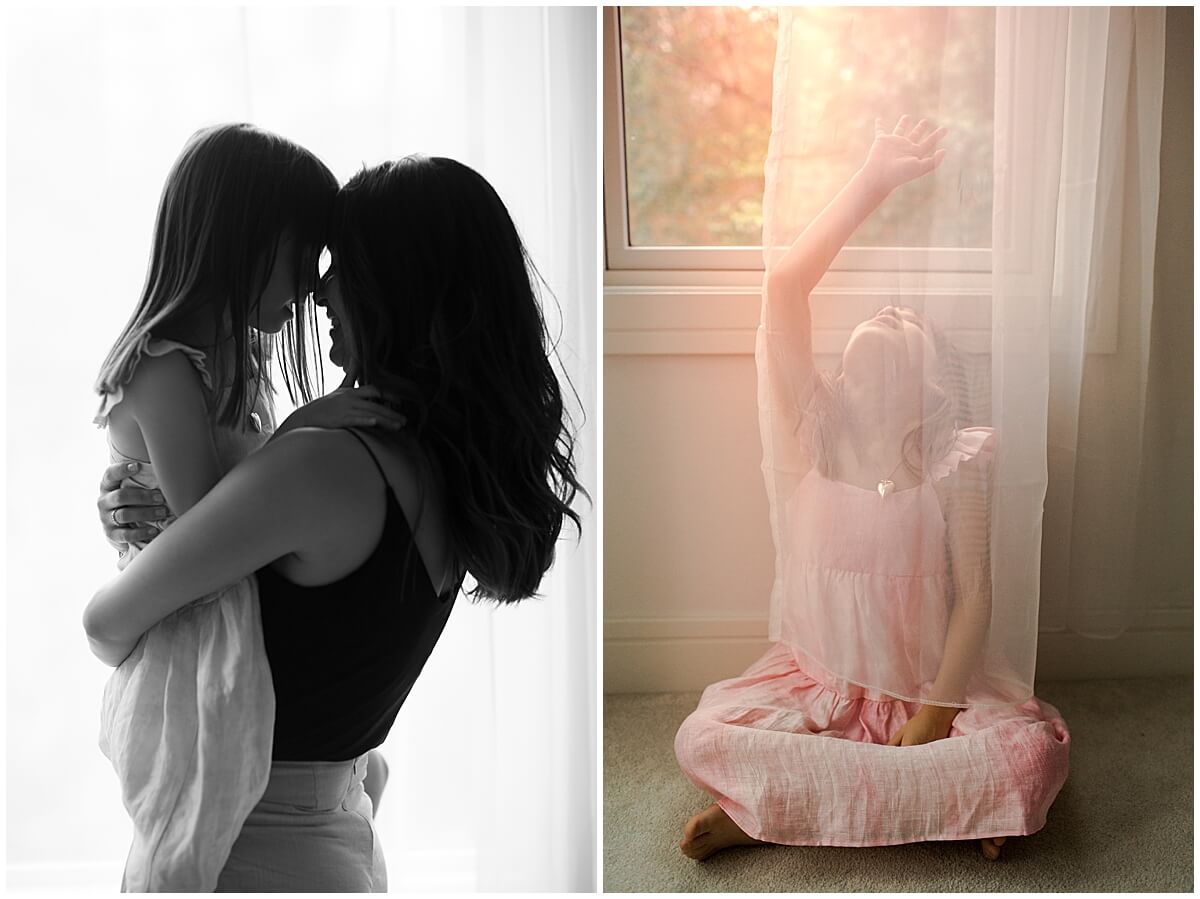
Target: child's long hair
(944, 412)
(442, 309)
(232, 193)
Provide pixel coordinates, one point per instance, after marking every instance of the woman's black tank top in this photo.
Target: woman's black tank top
(345, 655)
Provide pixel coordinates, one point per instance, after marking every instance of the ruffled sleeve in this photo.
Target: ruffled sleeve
(975, 445)
(114, 391)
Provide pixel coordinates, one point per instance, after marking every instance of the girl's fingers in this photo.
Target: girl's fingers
(901, 125)
(918, 132)
(372, 421)
(928, 143)
(379, 410)
(928, 165)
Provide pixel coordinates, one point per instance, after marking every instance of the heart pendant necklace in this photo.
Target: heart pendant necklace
(887, 485)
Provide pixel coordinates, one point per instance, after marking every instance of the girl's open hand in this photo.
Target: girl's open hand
(929, 724)
(902, 154)
(347, 407)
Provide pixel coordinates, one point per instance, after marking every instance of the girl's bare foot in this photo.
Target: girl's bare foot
(991, 847)
(711, 831)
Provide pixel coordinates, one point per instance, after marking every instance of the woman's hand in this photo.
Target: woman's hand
(126, 512)
(902, 155)
(930, 723)
(346, 407)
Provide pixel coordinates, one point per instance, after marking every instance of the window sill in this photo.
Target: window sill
(674, 313)
(716, 313)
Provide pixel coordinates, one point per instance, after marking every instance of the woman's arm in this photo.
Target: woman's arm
(135, 508)
(286, 498)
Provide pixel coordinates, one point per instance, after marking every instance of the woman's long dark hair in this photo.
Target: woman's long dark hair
(231, 195)
(439, 293)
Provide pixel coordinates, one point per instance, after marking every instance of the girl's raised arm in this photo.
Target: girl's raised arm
(895, 158)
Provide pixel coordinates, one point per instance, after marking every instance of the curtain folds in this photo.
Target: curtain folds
(1079, 94)
(1052, 355)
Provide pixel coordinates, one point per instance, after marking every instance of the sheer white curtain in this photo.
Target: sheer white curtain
(1055, 343)
(1079, 95)
(492, 758)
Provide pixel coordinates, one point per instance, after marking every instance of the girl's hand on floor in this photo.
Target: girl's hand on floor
(929, 724)
(347, 407)
(902, 155)
(125, 512)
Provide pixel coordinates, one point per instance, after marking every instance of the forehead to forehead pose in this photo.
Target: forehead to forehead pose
(359, 541)
(880, 480)
(185, 396)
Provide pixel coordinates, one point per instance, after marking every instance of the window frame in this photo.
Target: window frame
(705, 300)
(621, 255)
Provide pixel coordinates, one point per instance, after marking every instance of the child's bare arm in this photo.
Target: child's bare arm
(966, 498)
(895, 157)
(166, 399)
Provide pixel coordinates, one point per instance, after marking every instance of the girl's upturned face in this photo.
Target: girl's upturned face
(890, 351)
(275, 304)
(329, 297)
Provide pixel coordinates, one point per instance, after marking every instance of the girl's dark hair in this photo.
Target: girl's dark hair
(439, 293)
(232, 194)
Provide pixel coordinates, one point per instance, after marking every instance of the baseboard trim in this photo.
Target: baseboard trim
(668, 655)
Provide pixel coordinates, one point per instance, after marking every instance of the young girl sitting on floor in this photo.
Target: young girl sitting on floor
(897, 705)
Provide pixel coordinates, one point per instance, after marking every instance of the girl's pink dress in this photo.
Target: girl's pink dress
(187, 719)
(797, 755)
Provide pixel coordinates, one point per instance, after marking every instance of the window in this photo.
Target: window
(688, 118)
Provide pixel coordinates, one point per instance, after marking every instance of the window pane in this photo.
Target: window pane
(697, 91)
(697, 101)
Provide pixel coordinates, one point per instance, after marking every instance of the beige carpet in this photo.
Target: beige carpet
(1122, 822)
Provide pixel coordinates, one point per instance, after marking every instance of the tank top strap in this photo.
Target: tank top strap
(446, 595)
(370, 452)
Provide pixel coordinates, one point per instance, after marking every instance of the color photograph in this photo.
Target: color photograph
(897, 367)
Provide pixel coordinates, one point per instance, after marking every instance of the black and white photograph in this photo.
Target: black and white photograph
(301, 353)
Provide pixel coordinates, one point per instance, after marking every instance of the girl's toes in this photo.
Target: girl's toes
(699, 847)
(991, 847)
(695, 826)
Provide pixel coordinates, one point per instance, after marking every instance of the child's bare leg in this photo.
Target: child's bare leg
(376, 779)
(711, 831)
(991, 847)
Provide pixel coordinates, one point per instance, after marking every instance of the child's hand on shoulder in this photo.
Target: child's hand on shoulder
(929, 724)
(347, 407)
